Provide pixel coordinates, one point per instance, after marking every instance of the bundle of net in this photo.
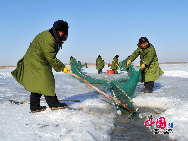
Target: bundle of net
(122, 89)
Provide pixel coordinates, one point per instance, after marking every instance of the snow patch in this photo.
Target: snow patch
(152, 101)
(176, 73)
(178, 115)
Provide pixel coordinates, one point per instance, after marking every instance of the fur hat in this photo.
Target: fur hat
(142, 40)
(117, 56)
(60, 25)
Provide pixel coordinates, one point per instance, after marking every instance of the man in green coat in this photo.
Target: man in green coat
(148, 62)
(114, 65)
(86, 65)
(99, 64)
(34, 70)
(71, 60)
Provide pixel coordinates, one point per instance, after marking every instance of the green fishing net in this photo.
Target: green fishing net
(122, 88)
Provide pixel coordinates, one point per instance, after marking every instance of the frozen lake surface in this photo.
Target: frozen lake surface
(92, 118)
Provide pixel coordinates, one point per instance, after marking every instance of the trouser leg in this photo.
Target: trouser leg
(115, 71)
(143, 76)
(145, 84)
(35, 101)
(99, 71)
(52, 101)
(149, 85)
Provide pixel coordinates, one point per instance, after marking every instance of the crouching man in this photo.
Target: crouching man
(150, 70)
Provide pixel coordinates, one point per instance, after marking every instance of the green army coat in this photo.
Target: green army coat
(34, 70)
(148, 57)
(99, 63)
(70, 61)
(114, 64)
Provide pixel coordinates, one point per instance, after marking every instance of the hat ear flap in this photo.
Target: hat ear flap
(65, 36)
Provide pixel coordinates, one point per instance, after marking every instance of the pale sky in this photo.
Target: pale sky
(96, 27)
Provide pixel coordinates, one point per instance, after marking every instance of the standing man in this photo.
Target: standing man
(103, 63)
(79, 67)
(114, 65)
(148, 64)
(86, 65)
(71, 60)
(34, 70)
(99, 64)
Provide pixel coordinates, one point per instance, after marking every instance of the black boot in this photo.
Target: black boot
(146, 91)
(143, 90)
(54, 103)
(41, 108)
(60, 106)
(35, 103)
(100, 71)
(148, 87)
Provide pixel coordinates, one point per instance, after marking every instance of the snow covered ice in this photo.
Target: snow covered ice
(92, 118)
(170, 95)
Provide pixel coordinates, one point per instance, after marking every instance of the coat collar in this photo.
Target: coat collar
(53, 33)
(146, 47)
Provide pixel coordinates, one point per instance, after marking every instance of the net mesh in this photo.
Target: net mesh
(122, 88)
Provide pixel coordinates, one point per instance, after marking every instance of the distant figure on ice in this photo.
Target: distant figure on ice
(114, 65)
(79, 67)
(34, 70)
(103, 63)
(79, 63)
(109, 64)
(99, 64)
(148, 64)
(86, 65)
(71, 60)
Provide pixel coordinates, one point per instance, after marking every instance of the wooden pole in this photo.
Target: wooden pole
(105, 94)
(26, 102)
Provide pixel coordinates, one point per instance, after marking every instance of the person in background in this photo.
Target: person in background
(103, 63)
(34, 70)
(79, 67)
(79, 63)
(86, 65)
(71, 60)
(150, 70)
(114, 65)
(109, 64)
(99, 64)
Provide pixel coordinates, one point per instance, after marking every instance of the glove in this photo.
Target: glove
(128, 62)
(66, 70)
(143, 66)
